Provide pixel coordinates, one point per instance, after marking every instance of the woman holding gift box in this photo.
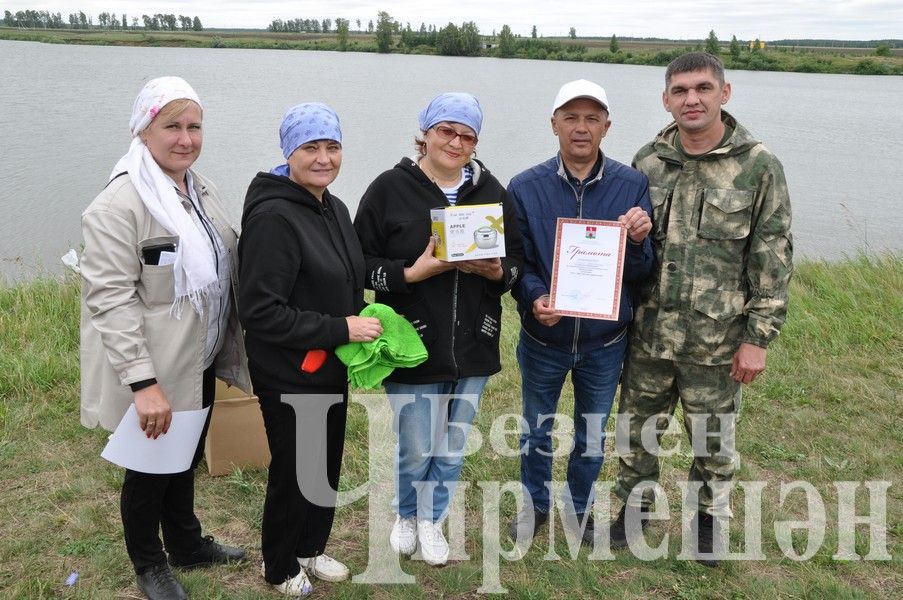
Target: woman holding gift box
(455, 307)
(302, 287)
(158, 320)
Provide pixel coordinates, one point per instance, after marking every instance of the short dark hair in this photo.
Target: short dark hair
(695, 61)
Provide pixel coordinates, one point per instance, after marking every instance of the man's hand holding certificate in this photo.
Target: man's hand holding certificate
(587, 268)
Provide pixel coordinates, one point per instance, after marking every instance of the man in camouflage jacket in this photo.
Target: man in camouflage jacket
(718, 296)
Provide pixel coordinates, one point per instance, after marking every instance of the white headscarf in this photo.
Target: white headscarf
(194, 270)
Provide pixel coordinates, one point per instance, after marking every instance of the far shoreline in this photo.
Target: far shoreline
(797, 59)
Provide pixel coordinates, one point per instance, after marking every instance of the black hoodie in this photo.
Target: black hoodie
(458, 315)
(301, 272)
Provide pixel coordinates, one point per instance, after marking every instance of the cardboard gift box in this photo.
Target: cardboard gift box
(236, 438)
(468, 232)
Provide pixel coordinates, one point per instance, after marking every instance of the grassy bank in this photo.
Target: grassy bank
(783, 58)
(827, 409)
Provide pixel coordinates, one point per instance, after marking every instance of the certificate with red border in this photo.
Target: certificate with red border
(587, 268)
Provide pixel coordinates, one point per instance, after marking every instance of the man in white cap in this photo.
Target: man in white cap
(579, 182)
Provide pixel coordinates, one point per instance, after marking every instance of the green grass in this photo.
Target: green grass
(809, 59)
(827, 409)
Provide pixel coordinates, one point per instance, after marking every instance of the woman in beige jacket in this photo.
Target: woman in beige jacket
(158, 320)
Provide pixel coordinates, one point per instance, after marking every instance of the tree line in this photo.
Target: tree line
(301, 26)
(458, 40)
(466, 40)
(42, 19)
(314, 25)
(451, 40)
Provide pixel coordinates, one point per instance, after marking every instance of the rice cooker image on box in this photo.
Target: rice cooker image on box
(486, 237)
(468, 232)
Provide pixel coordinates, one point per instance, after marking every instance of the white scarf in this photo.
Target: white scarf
(194, 269)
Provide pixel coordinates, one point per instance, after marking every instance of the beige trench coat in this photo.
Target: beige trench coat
(127, 333)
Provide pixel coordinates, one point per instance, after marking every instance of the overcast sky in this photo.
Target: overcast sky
(747, 19)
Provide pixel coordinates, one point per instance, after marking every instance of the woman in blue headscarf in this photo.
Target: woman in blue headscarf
(304, 286)
(455, 307)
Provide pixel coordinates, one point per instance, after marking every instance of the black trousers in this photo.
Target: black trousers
(293, 525)
(149, 501)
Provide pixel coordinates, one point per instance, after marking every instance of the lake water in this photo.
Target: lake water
(64, 114)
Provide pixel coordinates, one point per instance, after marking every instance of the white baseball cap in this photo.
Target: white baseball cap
(580, 89)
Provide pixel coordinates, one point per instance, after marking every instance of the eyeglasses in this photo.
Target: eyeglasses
(448, 133)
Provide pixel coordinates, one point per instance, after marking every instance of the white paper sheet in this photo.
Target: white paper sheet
(587, 268)
(167, 258)
(129, 447)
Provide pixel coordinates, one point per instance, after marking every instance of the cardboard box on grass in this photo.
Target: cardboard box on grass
(468, 232)
(236, 437)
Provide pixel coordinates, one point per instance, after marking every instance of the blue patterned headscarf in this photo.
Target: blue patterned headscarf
(456, 107)
(306, 122)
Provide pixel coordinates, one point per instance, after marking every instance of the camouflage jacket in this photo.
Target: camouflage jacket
(721, 233)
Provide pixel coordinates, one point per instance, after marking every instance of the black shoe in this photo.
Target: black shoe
(522, 523)
(589, 530)
(157, 583)
(618, 529)
(705, 537)
(210, 553)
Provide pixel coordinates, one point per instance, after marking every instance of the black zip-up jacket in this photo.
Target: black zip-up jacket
(301, 273)
(458, 315)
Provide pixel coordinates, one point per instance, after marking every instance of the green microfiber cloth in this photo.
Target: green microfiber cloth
(371, 362)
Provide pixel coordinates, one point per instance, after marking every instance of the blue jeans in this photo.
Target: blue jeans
(432, 421)
(595, 378)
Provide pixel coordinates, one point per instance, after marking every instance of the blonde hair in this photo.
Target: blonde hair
(172, 110)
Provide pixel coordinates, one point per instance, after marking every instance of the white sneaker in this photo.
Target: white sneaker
(433, 547)
(296, 586)
(325, 568)
(404, 535)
